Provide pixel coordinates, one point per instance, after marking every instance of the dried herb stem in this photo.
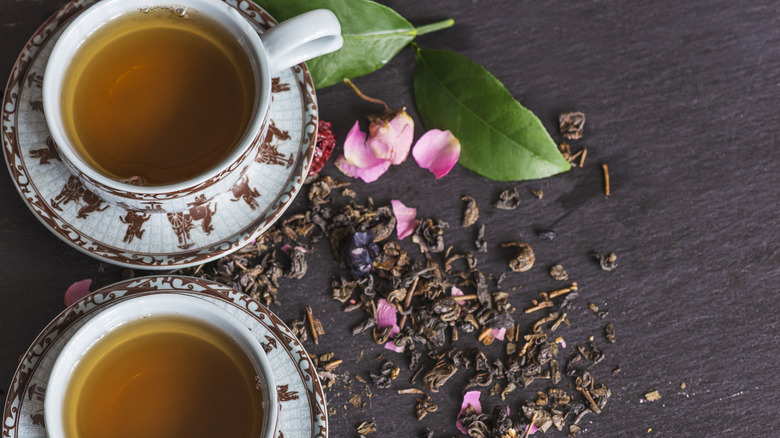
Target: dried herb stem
(605, 168)
(528, 428)
(593, 406)
(313, 328)
(539, 306)
(558, 323)
(364, 97)
(238, 263)
(408, 301)
(582, 158)
(563, 291)
(411, 391)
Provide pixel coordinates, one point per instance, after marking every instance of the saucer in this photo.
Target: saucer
(302, 410)
(204, 232)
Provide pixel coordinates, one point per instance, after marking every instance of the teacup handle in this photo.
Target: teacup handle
(301, 38)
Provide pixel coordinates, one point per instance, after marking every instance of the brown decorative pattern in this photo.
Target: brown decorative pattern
(46, 154)
(269, 152)
(135, 222)
(71, 232)
(24, 392)
(277, 86)
(285, 394)
(242, 190)
(183, 223)
(73, 190)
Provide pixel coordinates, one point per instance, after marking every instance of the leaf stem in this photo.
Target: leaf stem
(434, 27)
(363, 96)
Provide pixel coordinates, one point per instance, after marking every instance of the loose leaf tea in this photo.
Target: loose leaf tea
(509, 199)
(420, 304)
(571, 125)
(500, 139)
(471, 214)
(373, 34)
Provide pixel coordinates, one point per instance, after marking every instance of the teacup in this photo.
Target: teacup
(98, 121)
(165, 364)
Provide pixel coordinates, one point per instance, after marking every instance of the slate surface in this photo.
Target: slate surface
(681, 100)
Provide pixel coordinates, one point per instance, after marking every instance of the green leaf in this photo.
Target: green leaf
(373, 35)
(499, 138)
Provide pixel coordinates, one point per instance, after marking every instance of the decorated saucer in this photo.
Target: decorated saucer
(302, 410)
(208, 229)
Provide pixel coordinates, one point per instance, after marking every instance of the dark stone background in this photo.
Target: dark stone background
(681, 100)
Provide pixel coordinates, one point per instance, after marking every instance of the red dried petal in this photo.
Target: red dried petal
(326, 142)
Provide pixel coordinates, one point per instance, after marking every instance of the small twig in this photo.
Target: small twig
(606, 179)
(408, 301)
(539, 306)
(582, 158)
(593, 406)
(464, 297)
(233, 259)
(198, 269)
(528, 429)
(364, 97)
(313, 328)
(411, 391)
(564, 291)
(558, 323)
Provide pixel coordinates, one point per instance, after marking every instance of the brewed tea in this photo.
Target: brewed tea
(164, 377)
(158, 97)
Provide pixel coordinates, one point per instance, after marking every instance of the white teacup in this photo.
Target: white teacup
(138, 310)
(296, 40)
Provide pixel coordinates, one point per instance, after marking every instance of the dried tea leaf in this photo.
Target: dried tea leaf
(609, 332)
(524, 259)
(366, 428)
(355, 400)
(438, 376)
(607, 262)
(558, 273)
(509, 199)
(424, 406)
(538, 193)
(471, 214)
(480, 243)
(653, 396)
(572, 124)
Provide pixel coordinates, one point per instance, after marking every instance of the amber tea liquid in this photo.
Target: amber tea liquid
(164, 377)
(158, 96)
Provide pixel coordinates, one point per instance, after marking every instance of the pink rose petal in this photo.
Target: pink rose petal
(531, 428)
(358, 160)
(77, 291)
(437, 151)
(392, 140)
(455, 292)
(499, 334)
(385, 314)
(405, 218)
(471, 398)
(391, 346)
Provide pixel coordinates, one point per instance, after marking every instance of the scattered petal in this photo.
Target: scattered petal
(391, 346)
(437, 151)
(471, 398)
(358, 160)
(385, 314)
(77, 291)
(391, 140)
(499, 333)
(405, 218)
(455, 292)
